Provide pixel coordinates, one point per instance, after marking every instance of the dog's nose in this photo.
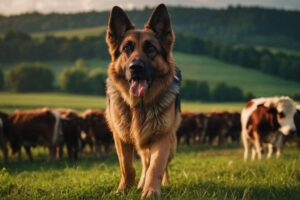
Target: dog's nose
(136, 65)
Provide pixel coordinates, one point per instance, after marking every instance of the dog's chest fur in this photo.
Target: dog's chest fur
(140, 124)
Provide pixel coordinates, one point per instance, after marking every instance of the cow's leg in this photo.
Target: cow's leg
(125, 153)
(246, 146)
(145, 158)
(28, 152)
(258, 148)
(279, 143)
(159, 155)
(253, 153)
(270, 150)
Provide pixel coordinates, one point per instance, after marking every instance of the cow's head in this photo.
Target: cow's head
(286, 110)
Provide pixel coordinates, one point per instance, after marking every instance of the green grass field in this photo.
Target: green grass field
(12, 101)
(80, 32)
(198, 172)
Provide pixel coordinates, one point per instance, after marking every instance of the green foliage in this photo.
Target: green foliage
(30, 77)
(195, 90)
(222, 93)
(74, 80)
(97, 81)
(80, 79)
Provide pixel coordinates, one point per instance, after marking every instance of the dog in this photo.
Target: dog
(143, 97)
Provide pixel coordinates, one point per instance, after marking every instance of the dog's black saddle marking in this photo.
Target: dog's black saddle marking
(177, 81)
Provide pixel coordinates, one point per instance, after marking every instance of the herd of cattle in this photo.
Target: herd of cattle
(262, 121)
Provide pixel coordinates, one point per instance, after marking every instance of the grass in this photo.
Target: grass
(11, 101)
(80, 33)
(198, 172)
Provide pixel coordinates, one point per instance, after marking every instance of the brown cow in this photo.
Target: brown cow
(32, 128)
(234, 126)
(267, 120)
(71, 124)
(3, 135)
(97, 130)
(216, 126)
(188, 127)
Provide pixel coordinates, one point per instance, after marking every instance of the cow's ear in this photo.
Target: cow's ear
(118, 24)
(160, 23)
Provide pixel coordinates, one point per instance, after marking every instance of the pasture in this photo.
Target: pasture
(11, 101)
(198, 172)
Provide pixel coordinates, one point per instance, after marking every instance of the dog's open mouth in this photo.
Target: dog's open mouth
(138, 87)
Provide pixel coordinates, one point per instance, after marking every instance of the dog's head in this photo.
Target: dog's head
(140, 58)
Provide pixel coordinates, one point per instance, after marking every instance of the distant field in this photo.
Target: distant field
(198, 172)
(12, 101)
(214, 71)
(80, 33)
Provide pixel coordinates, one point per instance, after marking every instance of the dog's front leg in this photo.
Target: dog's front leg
(159, 155)
(125, 155)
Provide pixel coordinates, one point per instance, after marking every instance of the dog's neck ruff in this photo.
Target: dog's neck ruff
(171, 94)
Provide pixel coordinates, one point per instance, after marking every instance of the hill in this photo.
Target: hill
(242, 25)
(211, 70)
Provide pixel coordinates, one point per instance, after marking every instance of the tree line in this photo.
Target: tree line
(19, 46)
(237, 25)
(80, 79)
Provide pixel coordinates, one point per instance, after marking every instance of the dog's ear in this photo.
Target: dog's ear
(118, 24)
(160, 23)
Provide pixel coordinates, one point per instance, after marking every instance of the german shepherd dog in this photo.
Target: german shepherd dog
(143, 108)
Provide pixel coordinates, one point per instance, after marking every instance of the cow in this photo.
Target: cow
(3, 135)
(188, 127)
(215, 127)
(71, 125)
(32, 128)
(297, 124)
(97, 131)
(266, 120)
(234, 126)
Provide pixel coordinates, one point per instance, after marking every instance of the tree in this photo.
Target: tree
(30, 77)
(97, 80)
(74, 80)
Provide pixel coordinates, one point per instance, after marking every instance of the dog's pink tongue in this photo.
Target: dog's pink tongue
(138, 88)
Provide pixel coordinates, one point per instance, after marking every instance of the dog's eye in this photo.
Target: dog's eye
(281, 115)
(128, 48)
(149, 48)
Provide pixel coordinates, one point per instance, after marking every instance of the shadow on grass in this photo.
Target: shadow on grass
(40, 163)
(210, 190)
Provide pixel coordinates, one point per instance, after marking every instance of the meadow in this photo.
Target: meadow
(198, 172)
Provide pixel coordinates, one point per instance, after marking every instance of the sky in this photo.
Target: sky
(11, 7)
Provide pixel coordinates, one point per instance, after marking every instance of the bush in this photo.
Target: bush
(74, 80)
(96, 81)
(222, 93)
(30, 77)
(195, 90)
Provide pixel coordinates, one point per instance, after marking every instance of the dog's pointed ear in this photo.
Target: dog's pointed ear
(160, 23)
(118, 24)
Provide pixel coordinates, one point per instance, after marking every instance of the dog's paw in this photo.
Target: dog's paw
(151, 193)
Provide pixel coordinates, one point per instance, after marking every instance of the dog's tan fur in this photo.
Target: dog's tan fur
(148, 124)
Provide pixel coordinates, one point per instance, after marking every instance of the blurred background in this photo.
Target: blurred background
(228, 51)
